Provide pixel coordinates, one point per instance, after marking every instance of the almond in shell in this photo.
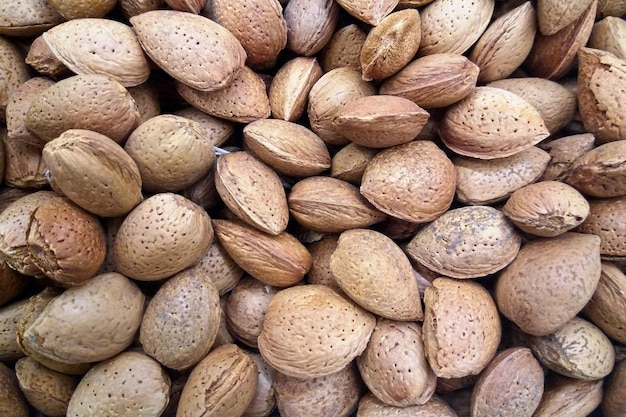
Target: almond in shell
(24, 167)
(28, 18)
(344, 49)
(12, 401)
(370, 406)
(606, 219)
(613, 402)
(18, 105)
(349, 163)
(569, 396)
(564, 152)
(14, 69)
(609, 34)
(601, 172)
(310, 24)
(609, 297)
(369, 11)
(554, 15)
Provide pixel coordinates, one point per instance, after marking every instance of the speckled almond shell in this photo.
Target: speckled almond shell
(12, 401)
(614, 400)
(607, 219)
(222, 384)
(9, 317)
(374, 272)
(371, 11)
(609, 297)
(99, 46)
(191, 48)
(608, 34)
(572, 396)
(131, 382)
(564, 152)
(220, 267)
(349, 163)
(310, 24)
(15, 69)
(24, 167)
(322, 331)
(27, 17)
(370, 406)
(77, 9)
(554, 15)
(344, 49)
(218, 130)
(289, 89)
(160, 237)
(191, 6)
(491, 123)
(18, 105)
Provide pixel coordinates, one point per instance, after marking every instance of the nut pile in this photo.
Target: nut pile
(312, 208)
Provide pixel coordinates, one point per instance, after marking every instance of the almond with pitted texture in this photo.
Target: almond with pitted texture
(14, 70)
(94, 172)
(191, 6)
(554, 15)
(374, 272)
(99, 46)
(27, 17)
(88, 323)
(344, 49)
(290, 87)
(253, 191)
(18, 105)
(330, 205)
(9, 317)
(370, 11)
(370, 406)
(12, 283)
(601, 77)
(279, 260)
(601, 172)
(197, 52)
(394, 365)
(569, 397)
(467, 242)
(553, 56)
(564, 152)
(72, 9)
(310, 24)
(160, 237)
(220, 267)
(349, 163)
(549, 282)
(380, 121)
(390, 45)
(546, 208)
(291, 149)
(436, 80)
(334, 395)
(492, 123)
(132, 8)
(146, 98)
(609, 297)
(505, 44)
(317, 347)
(24, 167)
(181, 321)
(243, 100)
(331, 92)
(461, 327)
(218, 131)
(12, 401)
(614, 399)
(90, 101)
(41, 58)
(486, 181)
(607, 219)
(450, 26)
(222, 384)
(320, 272)
(259, 25)
(129, 383)
(609, 34)
(615, 8)
(413, 182)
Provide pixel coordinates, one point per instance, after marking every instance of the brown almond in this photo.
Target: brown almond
(41, 58)
(601, 172)
(191, 6)
(220, 267)
(12, 401)
(320, 272)
(218, 131)
(609, 297)
(132, 8)
(613, 401)
(264, 400)
(310, 24)
(9, 317)
(569, 396)
(370, 406)
(344, 49)
(615, 8)
(349, 163)
(371, 11)
(24, 167)
(564, 152)
(554, 15)
(15, 69)
(18, 105)
(28, 18)
(72, 9)
(146, 98)
(609, 34)
(12, 283)
(606, 219)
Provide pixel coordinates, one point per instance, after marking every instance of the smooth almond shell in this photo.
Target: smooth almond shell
(290, 87)
(609, 297)
(609, 34)
(607, 220)
(28, 18)
(310, 24)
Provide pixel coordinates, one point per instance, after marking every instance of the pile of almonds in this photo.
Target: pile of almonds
(312, 208)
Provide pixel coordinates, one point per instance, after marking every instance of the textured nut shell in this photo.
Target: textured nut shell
(12, 283)
(46, 390)
(9, 317)
(146, 98)
(243, 100)
(279, 260)
(72, 9)
(94, 172)
(607, 220)
(333, 395)
(467, 242)
(291, 149)
(310, 24)
(614, 400)
(27, 18)
(220, 267)
(132, 8)
(609, 34)
(577, 350)
(253, 191)
(390, 45)
(349, 163)
(344, 49)
(12, 401)
(486, 181)
(374, 272)
(446, 27)
(380, 121)
(505, 44)
(461, 327)
(197, 51)
(332, 91)
(18, 105)
(371, 12)
(609, 297)
(290, 87)
(413, 182)
(90, 101)
(222, 384)
(99, 46)
(554, 15)
(41, 58)
(14, 69)
(24, 167)
(549, 282)
(547, 208)
(163, 235)
(130, 382)
(436, 80)
(192, 6)
(218, 131)
(66, 242)
(370, 406)
(394, 365)
(330, 205)
(181, 321)
(564, 151)
(264, 400)
(317, 348)
(85, 324)
(320, 272)
(570, 397)
(521, 392)
(492, 123)
(611, 8)
(556, 105)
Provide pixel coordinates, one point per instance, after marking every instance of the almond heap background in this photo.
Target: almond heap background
(312, 208)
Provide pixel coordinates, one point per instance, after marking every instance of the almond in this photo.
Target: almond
(610, 296)
(15, 69)
(191, 6)
(609, 34)
(132, 8)
(220, 267)
(72, 9)
(12, 283)
(12, 401)
(370, 406)
(28, 18)
(290, 87)
(564, 152)
(371, 11)
(554, 15)
(41, 58)
(9, 317)
(320, 272)
(18, 105)
(218, 131)
(606, 219)
(601, 172)
(571, 397)
(349, 163)
(24, 166)
(344, 49)
(310, 25)
(613, 399)
(615, 8)
(146, 98)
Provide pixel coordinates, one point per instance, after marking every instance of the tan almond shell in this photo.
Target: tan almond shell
(609, 34)
(344, 49)
(614, 399)
(163, 235)
(349, 163)
(27, 18)
(181, 321)
(100, 46)
(24, 167)
(601, 172)
(330, 205)
(9, 318)
(12, 283)
(564, 152)
(491, 123)
(570, 397)
(220, 267)
(554, 15)
(132, 8)
(41, 58)
(279, 260)
(549, 282)
(15, 69)
(461, 328)
(197, 52)
(615, 8)
(222, 384)
(310, 25)
(607, 220)
(18, 105)
(191, 6)
(319, 347)
(370, 406)
(394, 365)
(78, 9)
(609, 297)
(371, 12)
(374, 272)
(12, 401)
(264, 400)
(253, 191)
(290, 87)
(320, 272)
(521, 393)
(218, 131)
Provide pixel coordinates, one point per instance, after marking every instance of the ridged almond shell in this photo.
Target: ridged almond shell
(310, 24)
(370, 11)
(554, 15)
(289, 89)
(609, 297)
(601, 172)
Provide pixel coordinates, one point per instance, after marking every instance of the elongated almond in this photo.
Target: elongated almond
(310, 24)
(369, 11)
(289, 90)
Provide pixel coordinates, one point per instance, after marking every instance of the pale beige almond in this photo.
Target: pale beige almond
(615, 8)
(609, 34)
(9, 317)
(218, 131)
(18, 105)
(344, 49)
(349, 163)
(28, 17)
(132, 8)
(146, 98)
(264, 400)
(370, 406)
(609, 297)
(554, 15)
(289, 89)
(78, 9)
(310, 24)
(564, 152)
(569, 397)
(607, 220)
(370, 11)
(15, 71)
(601, 172)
